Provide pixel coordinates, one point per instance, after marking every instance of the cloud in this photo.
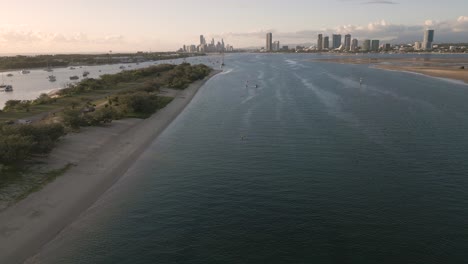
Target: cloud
(462, 19)
(373, 2)
(379, 2)
(22, 39)
(445, 31)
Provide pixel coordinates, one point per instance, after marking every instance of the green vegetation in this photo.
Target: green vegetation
(64, 60)
(92, 102)
(17, 183)
(46, 178)
(21, 142)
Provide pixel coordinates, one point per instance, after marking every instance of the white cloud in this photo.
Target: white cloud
(21, 39)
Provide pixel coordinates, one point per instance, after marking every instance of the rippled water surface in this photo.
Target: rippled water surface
(309, 167)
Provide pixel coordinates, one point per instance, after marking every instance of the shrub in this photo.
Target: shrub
(17, 105)
(44, 99)
(18, 142)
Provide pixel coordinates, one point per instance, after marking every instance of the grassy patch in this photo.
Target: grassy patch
(45, 178)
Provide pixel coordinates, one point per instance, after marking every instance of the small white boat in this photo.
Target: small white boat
(9, 88)
(52, 78)
(25, 72)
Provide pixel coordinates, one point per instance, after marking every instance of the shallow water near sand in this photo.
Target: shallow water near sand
(308, 167)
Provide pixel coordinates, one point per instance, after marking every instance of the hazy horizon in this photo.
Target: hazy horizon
(52, 26)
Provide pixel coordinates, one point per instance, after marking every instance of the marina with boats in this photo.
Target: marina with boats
(28, 84)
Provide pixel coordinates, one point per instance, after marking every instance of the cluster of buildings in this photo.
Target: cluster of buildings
(338, 43)
(427, 42)
(205, 47)
(273, 45)
(349, 44)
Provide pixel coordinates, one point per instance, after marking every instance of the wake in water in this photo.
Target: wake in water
(334, 107)
(364, 87)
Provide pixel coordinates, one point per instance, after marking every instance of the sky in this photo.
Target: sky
(60, 26)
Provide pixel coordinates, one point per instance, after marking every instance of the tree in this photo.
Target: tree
(15, 148)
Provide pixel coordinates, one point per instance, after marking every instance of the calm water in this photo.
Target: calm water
(328, 172)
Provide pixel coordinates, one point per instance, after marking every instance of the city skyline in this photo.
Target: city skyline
(350, 44)
(53, 26)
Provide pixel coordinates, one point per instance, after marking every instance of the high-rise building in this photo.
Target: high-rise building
(375, 45)
(366, 45)
(269, 42)
(347, 42)
(417, 45)
(202, 40)
(354, 44)
(387, 47)
(276, 46)
(326, 42)
(320, 42)
(428, 39)
(201, 48)
(336, 41)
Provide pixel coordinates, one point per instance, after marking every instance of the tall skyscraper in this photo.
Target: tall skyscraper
(336, 41)
(428, 39)
(269, 42)
(354, 44)
(366, 45)
(375, 45)
(276, 46)
(202, 40)
(326, 42)
(320, 42)
(347, 42)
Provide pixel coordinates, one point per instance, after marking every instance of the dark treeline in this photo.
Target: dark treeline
(64, 60)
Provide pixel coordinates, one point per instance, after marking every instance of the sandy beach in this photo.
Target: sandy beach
(448, 68)
(101, 155)
(434, 71)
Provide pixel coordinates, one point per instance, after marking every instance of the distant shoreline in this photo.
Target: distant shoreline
(444, 68)
(36, 220)
(453, 75)
(68, 60)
